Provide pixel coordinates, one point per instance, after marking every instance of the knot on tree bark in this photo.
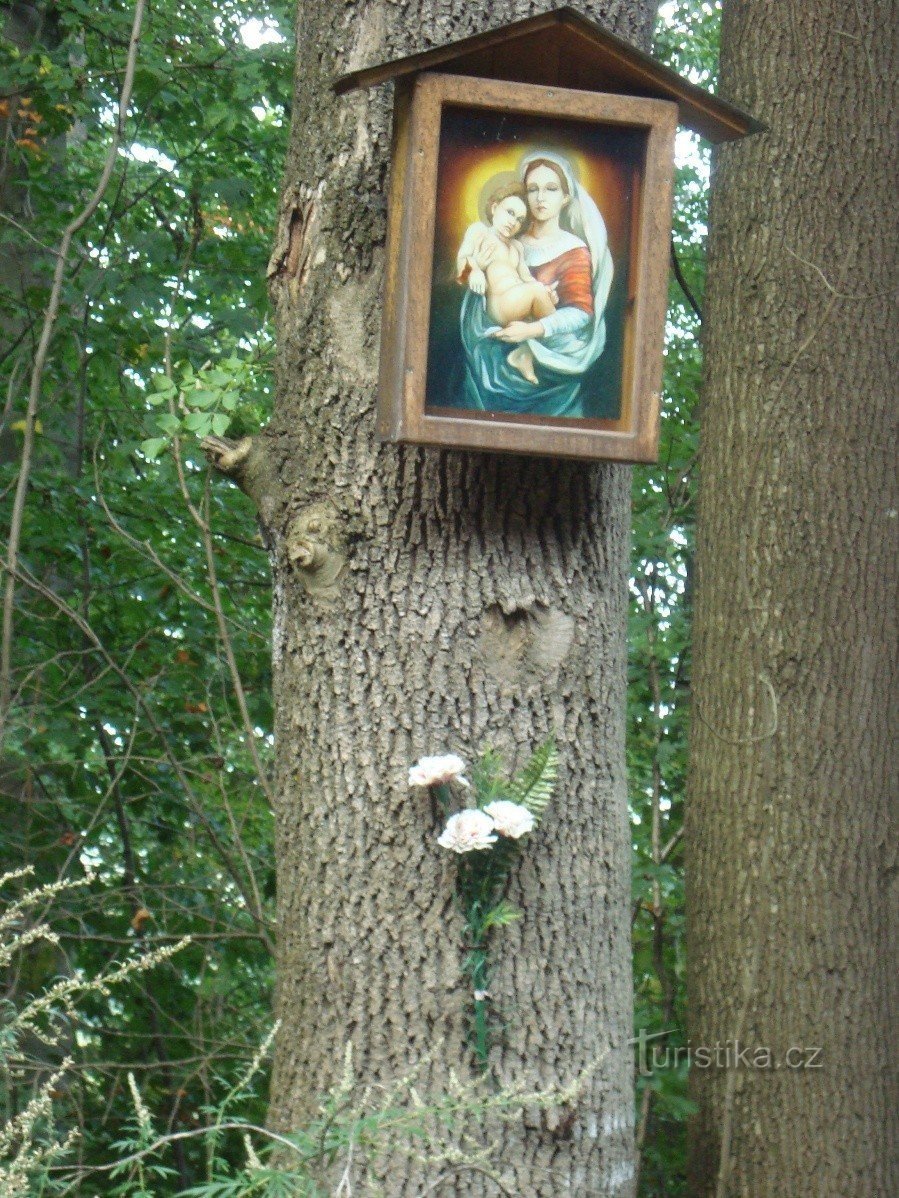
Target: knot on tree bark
(523, 639)
(248, 465)
(313, 541)
(314, 544)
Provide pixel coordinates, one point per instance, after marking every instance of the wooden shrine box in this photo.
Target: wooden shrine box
(528, 240)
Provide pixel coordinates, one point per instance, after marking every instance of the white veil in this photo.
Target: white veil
(573, 353)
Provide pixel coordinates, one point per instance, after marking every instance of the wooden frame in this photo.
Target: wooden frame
(406, 413)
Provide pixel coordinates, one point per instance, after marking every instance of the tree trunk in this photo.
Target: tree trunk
(792, 869)
(456, 601)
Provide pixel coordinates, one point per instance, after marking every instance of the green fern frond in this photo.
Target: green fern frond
(533, 787)
(487, 778)
(501, 915)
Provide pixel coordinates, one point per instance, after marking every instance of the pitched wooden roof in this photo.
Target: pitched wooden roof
(563, 48)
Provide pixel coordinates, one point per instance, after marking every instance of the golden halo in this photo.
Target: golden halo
(500, 179)
(504, 165)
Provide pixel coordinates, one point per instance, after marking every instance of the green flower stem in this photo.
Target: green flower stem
(442, 794)
(478, 880)
(477, 967)
(481, 1041)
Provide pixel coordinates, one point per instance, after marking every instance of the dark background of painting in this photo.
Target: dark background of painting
(608, 156)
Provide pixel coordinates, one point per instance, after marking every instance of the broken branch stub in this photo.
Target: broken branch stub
(248, 465)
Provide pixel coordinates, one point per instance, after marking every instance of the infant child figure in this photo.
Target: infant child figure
(497, 270)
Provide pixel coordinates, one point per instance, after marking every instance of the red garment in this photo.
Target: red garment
(571, 272)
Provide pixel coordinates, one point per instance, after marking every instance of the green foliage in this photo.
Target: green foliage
(500, 916)
(534, 786)
(208, 401)
(36, 1031)
(125, 747)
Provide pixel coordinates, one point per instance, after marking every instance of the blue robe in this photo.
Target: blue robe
(491, 385)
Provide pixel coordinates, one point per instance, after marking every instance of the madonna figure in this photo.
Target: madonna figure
(566, 250)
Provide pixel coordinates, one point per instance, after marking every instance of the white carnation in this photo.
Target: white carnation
(432, 771)
(467, 831)
(510, 819)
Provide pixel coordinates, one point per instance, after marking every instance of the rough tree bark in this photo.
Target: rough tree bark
(792, 868)
(426, 602)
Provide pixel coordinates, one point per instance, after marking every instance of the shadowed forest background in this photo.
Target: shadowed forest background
(136, 700)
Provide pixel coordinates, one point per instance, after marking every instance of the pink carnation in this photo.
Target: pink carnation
(467, 832)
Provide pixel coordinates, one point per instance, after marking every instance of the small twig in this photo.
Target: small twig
(345, 1186)
(672, 844)
(222, 621)
(203, 527)
(683, 284)
(11, 387)
(174, 1137)
(146, 550)
(48, 249)
(844, 295)
(640, 1137)
(237, 829)
(455, 1170)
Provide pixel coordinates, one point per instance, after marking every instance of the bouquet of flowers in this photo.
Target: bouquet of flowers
(487, 837)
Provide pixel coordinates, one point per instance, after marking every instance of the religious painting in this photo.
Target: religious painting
(538, 325)
(534, 221)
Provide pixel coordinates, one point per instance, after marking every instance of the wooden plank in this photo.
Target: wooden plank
(441, 56)
(423, 152)
(652, 287)
(395, 298)
(603, 63)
